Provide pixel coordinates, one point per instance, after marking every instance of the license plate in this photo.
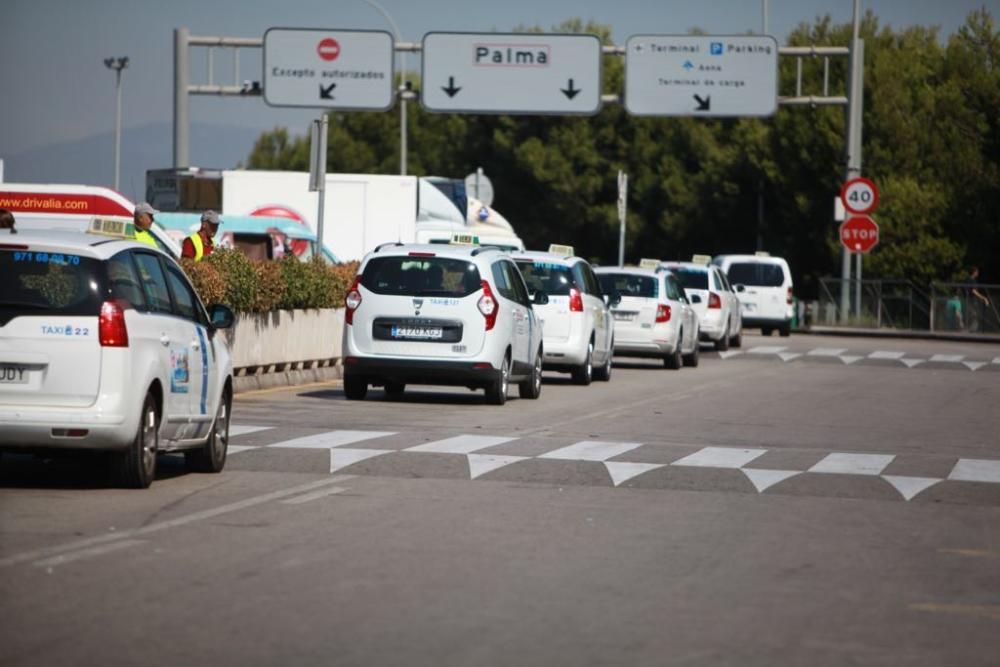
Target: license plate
(624, 317)
(13, 375)
(420, 333)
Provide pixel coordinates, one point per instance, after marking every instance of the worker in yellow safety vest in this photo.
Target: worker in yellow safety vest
(143, 218)
(202, 242)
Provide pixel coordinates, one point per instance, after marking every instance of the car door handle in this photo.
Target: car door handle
(195, 345)
(164, 340)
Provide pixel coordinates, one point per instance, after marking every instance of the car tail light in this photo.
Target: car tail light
(575, 300)
(111, 327)
(422, 254)
(488, 306)
(352, 301)
(788, 299)
(714, 301)
(662, 313)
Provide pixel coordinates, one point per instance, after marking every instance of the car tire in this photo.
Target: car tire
(722, 344)
(604, 372)
(394, 390)
(531, 387)
(785, 330)
(355, 388)
(584, 373)
(211, 457)
(766, 331)
(691, 358)
(674, 360)
(737, 340)
(496, 392)
(135, 468)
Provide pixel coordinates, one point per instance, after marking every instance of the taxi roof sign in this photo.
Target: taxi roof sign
(647, 263)
(564, 250)
(118, 227)
(464, 239)
(762, 253)
(701, 259)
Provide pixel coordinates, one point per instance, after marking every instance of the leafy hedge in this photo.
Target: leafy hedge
(228, 276)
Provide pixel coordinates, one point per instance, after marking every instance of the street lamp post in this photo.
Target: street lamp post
(402, 89)
(117, 64)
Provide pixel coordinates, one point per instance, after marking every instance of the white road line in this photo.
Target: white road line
(853, 464)
(71, 556)
(245, 429)
(948, 358)
(849, 359)
(315, 495)
(236, 449)
(332, 439)
(883, 354)
(591, 450)
(974, 365)
(341, 458)
(976, 470)
(762, 479)
(720, 457)
(908, 487)
(788, 356)
(170, 523)
(910, 363)
(480, 464)
(729, 353)
(460, 444)
(827, 351)
(767, 349)
(623, 472)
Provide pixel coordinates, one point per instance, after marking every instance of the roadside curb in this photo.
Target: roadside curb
(269, 379)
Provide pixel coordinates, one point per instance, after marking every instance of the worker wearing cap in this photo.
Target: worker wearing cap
(202, 242)
(143, 218)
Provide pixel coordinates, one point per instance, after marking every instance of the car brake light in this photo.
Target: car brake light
(421, 254)
(575, 300)
(788, 300)
(352, 301)
(111, 327)
(714, 301)
(488, 306)
(662, 313)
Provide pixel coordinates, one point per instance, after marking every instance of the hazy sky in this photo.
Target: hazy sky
(56, 87)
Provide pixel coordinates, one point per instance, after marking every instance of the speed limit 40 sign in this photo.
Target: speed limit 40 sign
(859, 195)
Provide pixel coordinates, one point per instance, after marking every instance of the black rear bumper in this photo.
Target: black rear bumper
(410, 371)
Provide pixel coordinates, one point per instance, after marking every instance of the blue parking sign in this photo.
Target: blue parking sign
(716, 48)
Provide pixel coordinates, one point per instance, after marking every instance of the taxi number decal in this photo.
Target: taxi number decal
(46, 258)
(50, 330)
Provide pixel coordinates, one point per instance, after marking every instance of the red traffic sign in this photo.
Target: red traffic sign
(859, 234)
(328, 49)
(859, 195)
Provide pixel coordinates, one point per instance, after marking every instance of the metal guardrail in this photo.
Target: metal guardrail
(904, 305)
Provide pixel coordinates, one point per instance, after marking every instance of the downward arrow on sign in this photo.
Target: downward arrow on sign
(451, 90)
(703, 104)
(569, 91)
(326, 92)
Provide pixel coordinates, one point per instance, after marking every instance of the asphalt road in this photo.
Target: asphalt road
(804, 500)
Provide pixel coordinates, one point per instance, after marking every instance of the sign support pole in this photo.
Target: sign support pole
(857, 287)
(854, 110)
(622, 210)
(317, 170)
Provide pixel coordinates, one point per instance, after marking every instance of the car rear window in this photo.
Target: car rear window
(628, 284)
(49, 283)
(691, 278)
(549, 277)
(756, 274)
(421, 276)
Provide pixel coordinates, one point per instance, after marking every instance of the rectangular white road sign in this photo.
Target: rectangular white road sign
(511, 73)
(328, 69)
(689, 75)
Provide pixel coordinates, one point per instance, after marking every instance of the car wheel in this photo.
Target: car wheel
(722, 344)
(355, 388)
(496, 392)
(584, 373)
(737, 340)
(212, 456)
(673, 361)
(604, 372)
(135, 468)
(691, 358)
(785, 330)
(394, 390)
(766, 331)
(531, 387)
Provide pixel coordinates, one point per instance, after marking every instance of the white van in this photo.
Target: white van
(763, 285)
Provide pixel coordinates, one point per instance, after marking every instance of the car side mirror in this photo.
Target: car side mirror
(613, 299)
(221, 316)
(740, 287)
(539, 298)
(695, 298)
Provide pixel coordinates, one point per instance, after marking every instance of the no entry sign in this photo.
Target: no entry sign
(859, 234)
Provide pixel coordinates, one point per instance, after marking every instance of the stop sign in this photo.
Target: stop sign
(859, 234)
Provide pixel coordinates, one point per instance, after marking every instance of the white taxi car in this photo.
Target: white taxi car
(104, 345)
(713, 300)
(576, 317)
(454, 314)
(652, 317)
